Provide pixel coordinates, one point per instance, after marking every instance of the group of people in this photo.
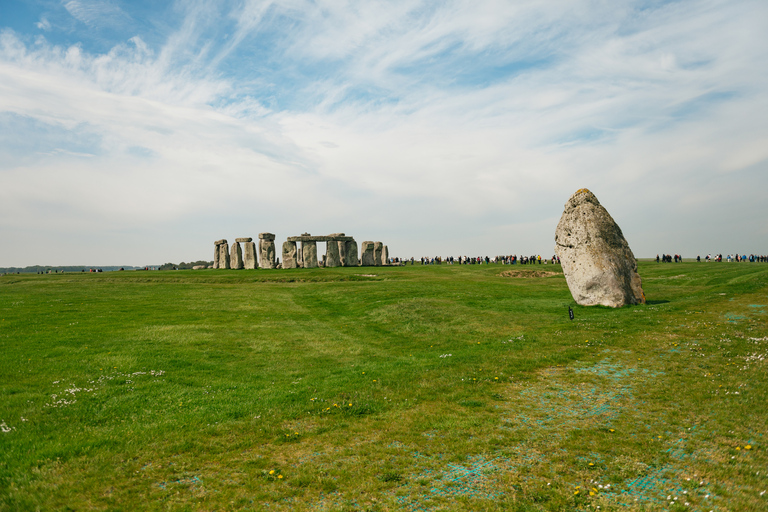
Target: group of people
(487, 260)
(752, 258)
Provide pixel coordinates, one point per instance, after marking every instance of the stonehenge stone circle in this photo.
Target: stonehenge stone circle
(289, 255)
(377, 250)
(385, 255)
(309, 253)
(236, 257)
(249, 255)
(366, 254)
(598, 264)
(341, 251)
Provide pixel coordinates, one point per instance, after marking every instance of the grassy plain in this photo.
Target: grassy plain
(403, 388)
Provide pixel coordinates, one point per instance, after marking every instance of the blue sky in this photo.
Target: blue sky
(139, 132)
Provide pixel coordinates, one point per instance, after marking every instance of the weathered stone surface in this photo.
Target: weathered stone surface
(198, 267)
(299, 257)
(219, 242)
(350, 254)
(267, 236)
(249, 256)
(289, 255)
(332, 255)
(266, 253)
(598, 264)
(342, 246)
(224, 255)
(385, 255)
(377, 250)
(366, 254)
(216, 254)
(244, 239)
(236, 257)
(309, 253)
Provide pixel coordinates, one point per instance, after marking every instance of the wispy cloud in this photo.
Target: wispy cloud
(96, 12)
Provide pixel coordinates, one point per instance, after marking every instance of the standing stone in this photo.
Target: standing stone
(598, 264)
(236, 257)
(300, 257)
(367, 254)
(217, 253)
(350, 254)
(289, 255)
(385, 255)
(267, 253)
(249, 256)
(224, 255)
(332, 254)
(309, 253)
(377, 250)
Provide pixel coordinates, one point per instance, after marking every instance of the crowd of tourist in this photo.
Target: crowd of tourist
(752, 258)
(512, 259)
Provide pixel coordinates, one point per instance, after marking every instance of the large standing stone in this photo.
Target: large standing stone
(249, 256)
(377, 250)
(216, 255)
(236, 257)
(598, 264)
(267, 253)
(300, 257)
(385, 255)
(289, 255)
(332, 254)
(224, 255)
(366, 254)
(350, 254)
(309, 253)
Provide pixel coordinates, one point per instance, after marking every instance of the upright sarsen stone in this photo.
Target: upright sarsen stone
(350, 254)
(249, 256)
(216, 254)
(378, 248)
(332, 254)
(236, 257)
(366, 254)
(598, 264)
(224, 255)
(309, 254)
(267, 250)
(289, 255)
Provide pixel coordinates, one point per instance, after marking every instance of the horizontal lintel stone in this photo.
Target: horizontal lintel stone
(320, 238)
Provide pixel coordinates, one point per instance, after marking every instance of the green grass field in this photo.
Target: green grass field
(403, 388)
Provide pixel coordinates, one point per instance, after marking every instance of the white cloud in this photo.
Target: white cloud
(43, 24)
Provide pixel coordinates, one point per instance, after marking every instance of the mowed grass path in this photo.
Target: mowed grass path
(403, 388)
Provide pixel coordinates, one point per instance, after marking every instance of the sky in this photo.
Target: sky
(139, 132)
